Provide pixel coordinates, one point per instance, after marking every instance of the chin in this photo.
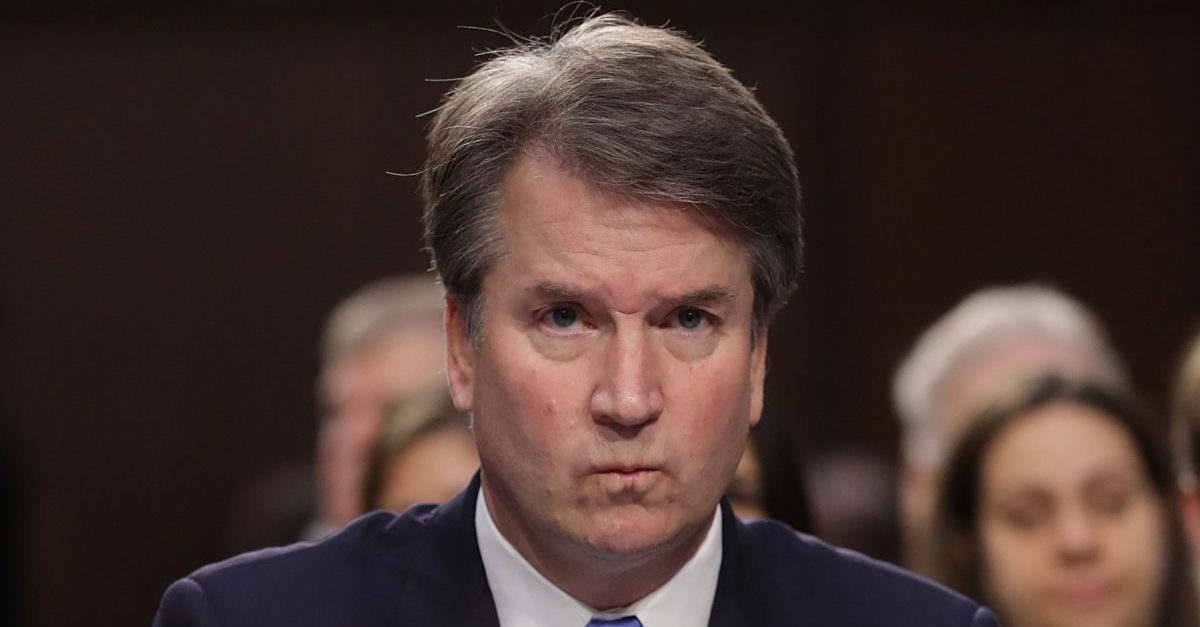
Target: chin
(630, 531)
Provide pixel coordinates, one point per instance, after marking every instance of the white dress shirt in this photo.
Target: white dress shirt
(525, 598)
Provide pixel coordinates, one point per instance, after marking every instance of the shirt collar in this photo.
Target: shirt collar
(525, 598)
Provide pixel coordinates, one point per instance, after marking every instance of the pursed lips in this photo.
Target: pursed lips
(635, 482)
(626, 470)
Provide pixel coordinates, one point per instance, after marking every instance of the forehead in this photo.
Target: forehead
(539, 188)
(554, 222)
(1060, 446)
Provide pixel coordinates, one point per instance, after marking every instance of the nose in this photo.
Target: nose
(1077, 536)
(628, 393)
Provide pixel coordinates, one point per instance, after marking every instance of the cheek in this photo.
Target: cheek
(1014, 567)
(712, 403)
(724, 379)
(561, 348)
(1139, 545)
(689, 348)
(532, 405)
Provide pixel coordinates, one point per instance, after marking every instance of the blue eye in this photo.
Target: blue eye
(563, 317)
(690, 318)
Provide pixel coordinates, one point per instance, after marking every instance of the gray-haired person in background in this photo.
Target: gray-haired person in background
(616, 220)
(382, 346)
(424, 454)
(990, 340)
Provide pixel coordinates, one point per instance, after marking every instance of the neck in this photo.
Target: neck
(600, 579)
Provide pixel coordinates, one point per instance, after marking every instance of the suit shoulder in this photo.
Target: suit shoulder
(838, 586)
(346, 575)
(345, 547)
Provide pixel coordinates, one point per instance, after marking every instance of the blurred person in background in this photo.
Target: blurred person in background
(1058, 510)
(852, 498)
(381, 347)
(1185, 431)
(768, 481)
(424, 454)
(992, 339)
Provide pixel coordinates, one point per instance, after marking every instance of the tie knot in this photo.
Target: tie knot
(624, 621)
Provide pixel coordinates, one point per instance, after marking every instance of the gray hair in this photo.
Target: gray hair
(981, 323)
(377, 310)
(634, 110)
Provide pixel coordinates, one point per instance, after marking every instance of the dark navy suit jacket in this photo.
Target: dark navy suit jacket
(423, 568)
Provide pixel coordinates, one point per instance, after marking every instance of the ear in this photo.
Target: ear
(460, 358)
(758, 372)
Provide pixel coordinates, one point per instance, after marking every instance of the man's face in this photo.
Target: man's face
(359, 390)
(616, 380)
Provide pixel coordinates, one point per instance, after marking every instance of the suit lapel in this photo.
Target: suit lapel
(729, 600)
(446, 584)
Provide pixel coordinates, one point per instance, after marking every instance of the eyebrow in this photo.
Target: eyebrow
(1105, 475)
(558, 291)
(707, 294)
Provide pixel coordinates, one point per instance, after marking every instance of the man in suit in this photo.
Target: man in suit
(615, 220)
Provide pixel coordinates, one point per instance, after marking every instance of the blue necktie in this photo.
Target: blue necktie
(624, 621)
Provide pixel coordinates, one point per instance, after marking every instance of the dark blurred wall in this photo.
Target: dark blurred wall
(185, 192)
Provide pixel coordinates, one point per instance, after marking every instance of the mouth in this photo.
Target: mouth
(634, 477)
(1087, 593)
(626, 470)
(627, 483)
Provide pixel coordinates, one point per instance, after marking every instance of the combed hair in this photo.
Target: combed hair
(984, 320)
(633, 110)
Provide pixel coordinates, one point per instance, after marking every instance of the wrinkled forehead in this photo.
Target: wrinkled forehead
(541, 194)
(619, 191)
